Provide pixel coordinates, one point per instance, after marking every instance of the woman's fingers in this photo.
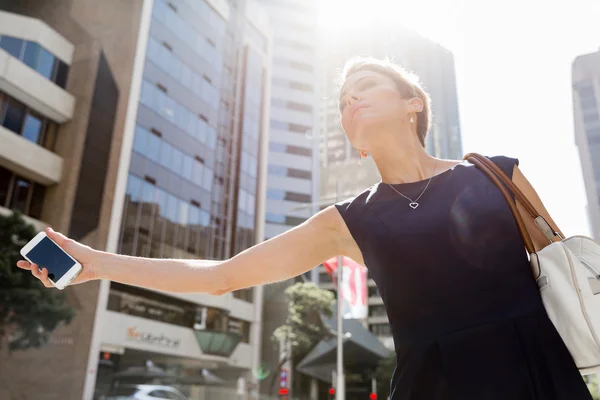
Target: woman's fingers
(35, 271)
(44, 278)
(24, 265)
(42, 275)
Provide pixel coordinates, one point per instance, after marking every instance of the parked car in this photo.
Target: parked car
(144, 392)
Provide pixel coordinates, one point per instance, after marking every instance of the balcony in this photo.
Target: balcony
(33, 89)
(28, 159)
(378, 319)
(375, 300)
(37, 224)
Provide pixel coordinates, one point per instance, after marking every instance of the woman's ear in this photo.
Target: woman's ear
(415, 105)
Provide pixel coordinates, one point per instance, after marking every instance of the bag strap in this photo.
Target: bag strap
(505, 182)
(513, 207)
(509, 183)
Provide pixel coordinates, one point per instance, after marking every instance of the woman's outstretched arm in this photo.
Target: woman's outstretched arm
(290, 254)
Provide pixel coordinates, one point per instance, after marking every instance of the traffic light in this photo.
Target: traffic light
(283, 392)
(373, 396)
(331, 393)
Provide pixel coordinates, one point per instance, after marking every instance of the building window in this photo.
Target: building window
(32, 128)
(290, 149)
(299, 128)
(20, 119)
(150, 305)
(241, 328)
(14, 113)
(594, 139)
(377, 311)
(196, 126)
(373, 292)
(297, 173)
(37, 58)
(590, 116)
(381, 329)
(291, 105)
(18, 193)
(293, 64)
(12, 46)
(278, 194)
(324, 277)
(294, 44)
(142, 303)
(278, 170)
(587, 97)
(302, 151)
(295, 128)
(292, 85)
(244, 294)
(593, 133)
(283, 220)
(298, 197)
(20, 196)
(5, 185)
(301, 86)
(301, 66)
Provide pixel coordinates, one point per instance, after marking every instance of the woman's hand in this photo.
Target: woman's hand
(87, 257)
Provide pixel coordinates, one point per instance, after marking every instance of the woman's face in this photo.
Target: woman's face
(369, 103)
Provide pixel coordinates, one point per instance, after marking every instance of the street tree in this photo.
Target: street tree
(29, 312)
(303, 328)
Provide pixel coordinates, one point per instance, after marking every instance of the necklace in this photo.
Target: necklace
(414, 203)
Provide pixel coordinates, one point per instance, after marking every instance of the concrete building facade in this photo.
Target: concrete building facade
(142, 128)
(586, 110)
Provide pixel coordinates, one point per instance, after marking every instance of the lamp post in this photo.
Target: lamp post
(340, 393)
(340, 382)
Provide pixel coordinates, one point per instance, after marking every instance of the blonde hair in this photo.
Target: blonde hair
(408, 84)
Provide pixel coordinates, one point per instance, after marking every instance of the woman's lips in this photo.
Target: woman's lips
(356, 109)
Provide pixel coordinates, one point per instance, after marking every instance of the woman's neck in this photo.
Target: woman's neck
(404, 161)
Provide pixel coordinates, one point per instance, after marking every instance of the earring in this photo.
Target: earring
(359, 160)
(412, 120)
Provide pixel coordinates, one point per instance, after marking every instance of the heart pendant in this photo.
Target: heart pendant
(413, 205)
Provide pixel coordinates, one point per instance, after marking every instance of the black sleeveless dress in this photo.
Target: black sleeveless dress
(466, 315)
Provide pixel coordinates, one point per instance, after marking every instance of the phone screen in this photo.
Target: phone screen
(47, 254)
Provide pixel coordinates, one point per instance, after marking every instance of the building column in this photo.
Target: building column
(314, 389)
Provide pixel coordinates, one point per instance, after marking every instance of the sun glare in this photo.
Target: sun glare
(434, 19)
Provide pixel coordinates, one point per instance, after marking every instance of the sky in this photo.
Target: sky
(513, 69)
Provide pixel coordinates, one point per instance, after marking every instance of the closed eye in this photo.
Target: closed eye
(366, 84)
(363, 85)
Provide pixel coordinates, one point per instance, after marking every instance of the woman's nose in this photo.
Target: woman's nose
(351, 98)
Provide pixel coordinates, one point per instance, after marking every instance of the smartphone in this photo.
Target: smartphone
(62, 268)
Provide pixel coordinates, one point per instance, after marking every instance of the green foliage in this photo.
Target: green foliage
(303, 327)
(592, 382)
(29, 312)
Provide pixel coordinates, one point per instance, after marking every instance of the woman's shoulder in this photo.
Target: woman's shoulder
(357, 205)
(505, 162)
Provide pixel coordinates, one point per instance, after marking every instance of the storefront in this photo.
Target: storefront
(148, 338)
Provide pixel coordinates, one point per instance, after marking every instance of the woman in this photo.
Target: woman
(439, 240)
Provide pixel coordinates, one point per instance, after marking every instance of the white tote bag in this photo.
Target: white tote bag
(567, 272)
